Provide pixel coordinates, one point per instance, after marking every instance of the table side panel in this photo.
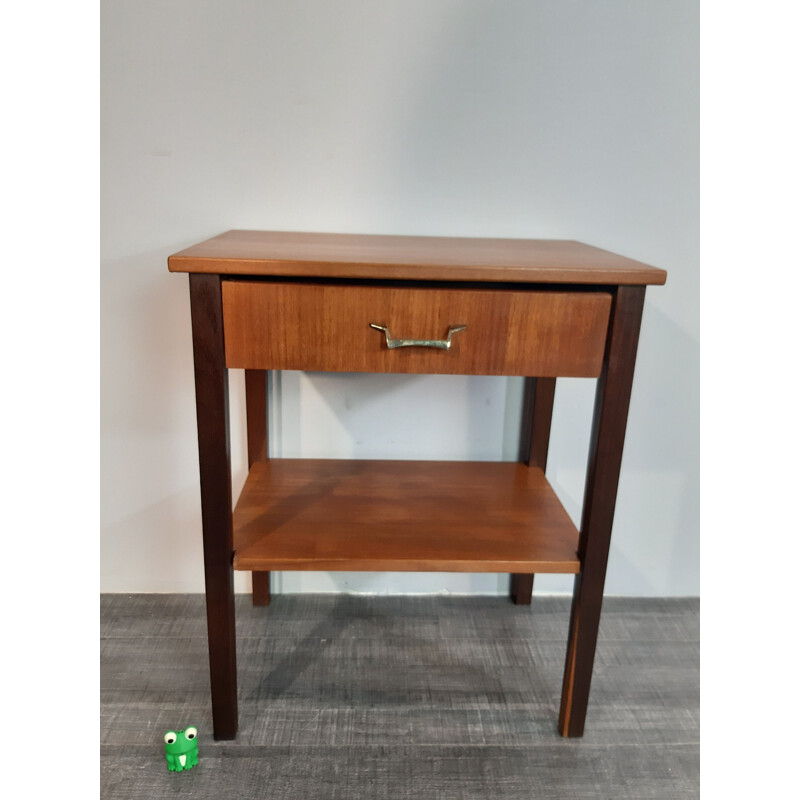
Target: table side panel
(322, 327)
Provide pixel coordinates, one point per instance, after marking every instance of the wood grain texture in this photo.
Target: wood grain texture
(327, 328)
(334, 255)
(612, 399)
(213, 433)
(309, 514)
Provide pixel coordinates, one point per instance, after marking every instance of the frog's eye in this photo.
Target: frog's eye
(170, 737)
(191, 733)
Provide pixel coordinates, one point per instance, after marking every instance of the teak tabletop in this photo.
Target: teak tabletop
(434, 258)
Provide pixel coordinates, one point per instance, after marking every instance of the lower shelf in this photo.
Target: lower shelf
(404, 516)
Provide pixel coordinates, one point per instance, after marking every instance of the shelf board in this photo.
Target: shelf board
(407, 516)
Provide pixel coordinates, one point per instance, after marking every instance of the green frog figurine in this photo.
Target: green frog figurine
(181, 749)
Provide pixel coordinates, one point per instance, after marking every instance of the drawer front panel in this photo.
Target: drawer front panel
(327, 328)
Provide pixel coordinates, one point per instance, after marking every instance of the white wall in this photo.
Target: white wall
(561, 119)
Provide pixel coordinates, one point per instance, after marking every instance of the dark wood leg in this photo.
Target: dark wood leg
(261, 589)
(255, 387)
(537, 414)
(255, 384)
(521, 588)
(211, 390)
(605, 457)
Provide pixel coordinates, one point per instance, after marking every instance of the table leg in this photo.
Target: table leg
(213, 433)
(537, 414)
(255, 384)
(605, 457)
(521, 588)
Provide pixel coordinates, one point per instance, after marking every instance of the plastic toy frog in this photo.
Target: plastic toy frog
(181, 749)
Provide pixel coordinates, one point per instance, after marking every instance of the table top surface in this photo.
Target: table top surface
(418, 258)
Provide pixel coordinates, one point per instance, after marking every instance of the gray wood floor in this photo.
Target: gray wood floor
(401, 697)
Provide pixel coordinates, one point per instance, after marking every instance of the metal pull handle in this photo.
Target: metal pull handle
(441, 344)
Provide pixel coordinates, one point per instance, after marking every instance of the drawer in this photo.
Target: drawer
(327, 327)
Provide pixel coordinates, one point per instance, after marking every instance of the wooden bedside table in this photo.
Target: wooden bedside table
(355, 303)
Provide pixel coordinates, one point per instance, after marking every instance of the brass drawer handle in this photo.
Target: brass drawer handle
(441, 344)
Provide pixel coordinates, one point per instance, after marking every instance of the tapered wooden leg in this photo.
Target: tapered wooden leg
(255, 384)
(605, 457)
(211, 390)
(537, 414)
